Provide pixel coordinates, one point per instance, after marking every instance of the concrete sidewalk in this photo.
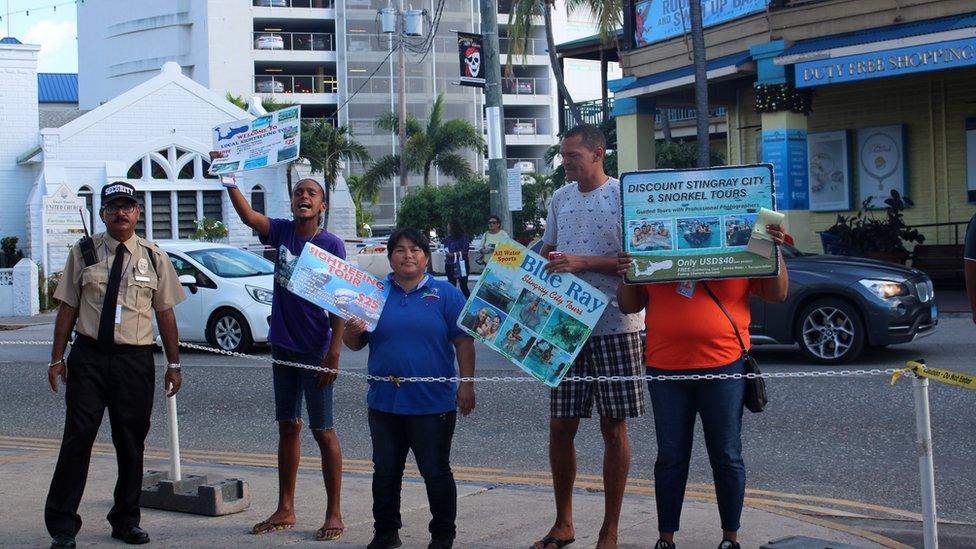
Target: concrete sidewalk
(490, 514)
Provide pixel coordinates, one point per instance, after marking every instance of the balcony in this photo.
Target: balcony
(533, 46)
(528, 131)
(326, 4)
(300, 89)
(528, 165)
(387, 86)
(523, 85)
(293, 41)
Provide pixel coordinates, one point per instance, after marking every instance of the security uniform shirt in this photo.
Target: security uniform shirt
(149, 283)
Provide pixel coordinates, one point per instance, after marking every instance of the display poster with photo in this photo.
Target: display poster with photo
(880, 163)
(829, 171)
(695, 224)
(251, 144)
(338, 286)
(538, 320)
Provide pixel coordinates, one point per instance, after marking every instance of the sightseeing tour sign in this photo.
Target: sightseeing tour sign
(267, 140)
(338, 286)
(699, 224)
(538, 320)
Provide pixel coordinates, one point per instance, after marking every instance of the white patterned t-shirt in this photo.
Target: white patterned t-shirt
(589, 224)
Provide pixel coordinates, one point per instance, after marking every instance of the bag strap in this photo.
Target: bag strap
(728, 316)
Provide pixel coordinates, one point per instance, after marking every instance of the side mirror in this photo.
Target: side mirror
(190, 282)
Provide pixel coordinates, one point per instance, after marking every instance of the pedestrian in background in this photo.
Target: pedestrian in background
(303, 333)
(416, 335)
(494, 236)
(111, 287)
(584, 226)
(456, 264)
(689, 332)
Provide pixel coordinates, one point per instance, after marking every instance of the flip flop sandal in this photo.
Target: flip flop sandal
(266, 527)
(329, 534)
(553, 540)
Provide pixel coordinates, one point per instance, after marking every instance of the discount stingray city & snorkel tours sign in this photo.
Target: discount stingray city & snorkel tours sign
(699, 224)
(538, 320)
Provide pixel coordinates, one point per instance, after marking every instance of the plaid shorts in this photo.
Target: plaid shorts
(609, 355)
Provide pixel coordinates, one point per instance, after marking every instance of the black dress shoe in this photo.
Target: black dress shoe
(63, 541)
(133, 535)
(385, 540)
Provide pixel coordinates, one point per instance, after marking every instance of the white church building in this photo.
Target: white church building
(155, 136)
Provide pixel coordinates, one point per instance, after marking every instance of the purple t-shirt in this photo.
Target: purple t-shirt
(297, 324)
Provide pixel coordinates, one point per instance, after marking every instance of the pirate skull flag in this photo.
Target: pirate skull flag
(471, 60)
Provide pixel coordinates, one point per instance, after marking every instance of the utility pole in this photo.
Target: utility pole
(402, 84)
(491, 63)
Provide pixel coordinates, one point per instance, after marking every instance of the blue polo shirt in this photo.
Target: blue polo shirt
(415, 337)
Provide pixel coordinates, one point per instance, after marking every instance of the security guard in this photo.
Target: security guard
(109, 289)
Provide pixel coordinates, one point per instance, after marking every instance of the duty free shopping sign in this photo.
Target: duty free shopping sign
(538, 320)
(697, 224)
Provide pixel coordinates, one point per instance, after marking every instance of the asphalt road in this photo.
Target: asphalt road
(849, 438)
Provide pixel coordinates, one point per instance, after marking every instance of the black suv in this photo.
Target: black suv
(837, 305)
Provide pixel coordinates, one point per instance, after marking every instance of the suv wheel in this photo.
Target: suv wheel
(228, 330)
(830, 331)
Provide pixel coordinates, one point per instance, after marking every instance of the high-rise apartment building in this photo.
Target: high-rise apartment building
(331, 57)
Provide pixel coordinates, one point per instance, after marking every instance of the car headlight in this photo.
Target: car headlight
(885, 289)
(260, 294)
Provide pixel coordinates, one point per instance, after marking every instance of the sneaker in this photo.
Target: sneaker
(385, 540)
(728, 544)
(664, 544)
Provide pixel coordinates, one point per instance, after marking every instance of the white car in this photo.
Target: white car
(270, 86)
(228, 294)
(270, 42)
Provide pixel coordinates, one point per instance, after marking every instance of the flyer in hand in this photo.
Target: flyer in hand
(538, 320)
(698, 224)
(265, 141)
(338, 286)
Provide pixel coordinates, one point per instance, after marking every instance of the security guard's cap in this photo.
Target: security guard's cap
(119, 189)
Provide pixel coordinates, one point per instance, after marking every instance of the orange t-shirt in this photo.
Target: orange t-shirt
(688, 333)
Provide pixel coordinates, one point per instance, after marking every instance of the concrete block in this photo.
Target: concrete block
(804, 542)
(194, 494)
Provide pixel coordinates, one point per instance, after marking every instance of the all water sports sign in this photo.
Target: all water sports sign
(696, 224)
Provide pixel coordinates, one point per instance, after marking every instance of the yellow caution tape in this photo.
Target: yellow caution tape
(966, 381)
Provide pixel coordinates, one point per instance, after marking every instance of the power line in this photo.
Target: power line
(53, 7)
(361, 86)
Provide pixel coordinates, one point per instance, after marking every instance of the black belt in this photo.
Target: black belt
(85, 342)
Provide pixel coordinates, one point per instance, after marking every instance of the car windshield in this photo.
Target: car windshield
(232, 263)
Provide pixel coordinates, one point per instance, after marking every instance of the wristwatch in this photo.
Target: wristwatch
(173, 366)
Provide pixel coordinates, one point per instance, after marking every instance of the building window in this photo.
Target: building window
(86, 192)
(162, 215)
(186, 213)
(174, 214)
(141, 222)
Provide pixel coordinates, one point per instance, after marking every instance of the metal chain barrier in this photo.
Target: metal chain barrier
(523, 379)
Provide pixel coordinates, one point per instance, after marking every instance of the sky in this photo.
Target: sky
(55, 30)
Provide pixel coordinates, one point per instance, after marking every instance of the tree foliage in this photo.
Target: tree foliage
(437, 144)
(683, 155)
(327, 147)
(428, 207)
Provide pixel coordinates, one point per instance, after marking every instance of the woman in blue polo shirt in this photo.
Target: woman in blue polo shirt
(417, 335)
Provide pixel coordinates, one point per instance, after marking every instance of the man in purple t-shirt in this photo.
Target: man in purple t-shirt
(300, 332)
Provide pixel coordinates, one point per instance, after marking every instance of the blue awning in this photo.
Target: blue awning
(660, 80)
(57, 87)
(9, 40)
(881, 34)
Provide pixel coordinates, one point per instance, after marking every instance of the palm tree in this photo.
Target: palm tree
(268, 103)
(363, 188)
(438, 144)
(326, 147)
(701, 81)
(520, 21)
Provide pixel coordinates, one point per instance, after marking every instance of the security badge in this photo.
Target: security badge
(142, 266)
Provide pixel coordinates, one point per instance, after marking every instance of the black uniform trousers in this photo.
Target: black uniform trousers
(121, 379)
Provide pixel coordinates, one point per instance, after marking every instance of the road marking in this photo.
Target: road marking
(766, 500)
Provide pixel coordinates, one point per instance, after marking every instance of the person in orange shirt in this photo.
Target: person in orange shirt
(687, 333)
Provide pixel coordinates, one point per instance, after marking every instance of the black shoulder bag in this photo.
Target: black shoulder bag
(755, 398)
